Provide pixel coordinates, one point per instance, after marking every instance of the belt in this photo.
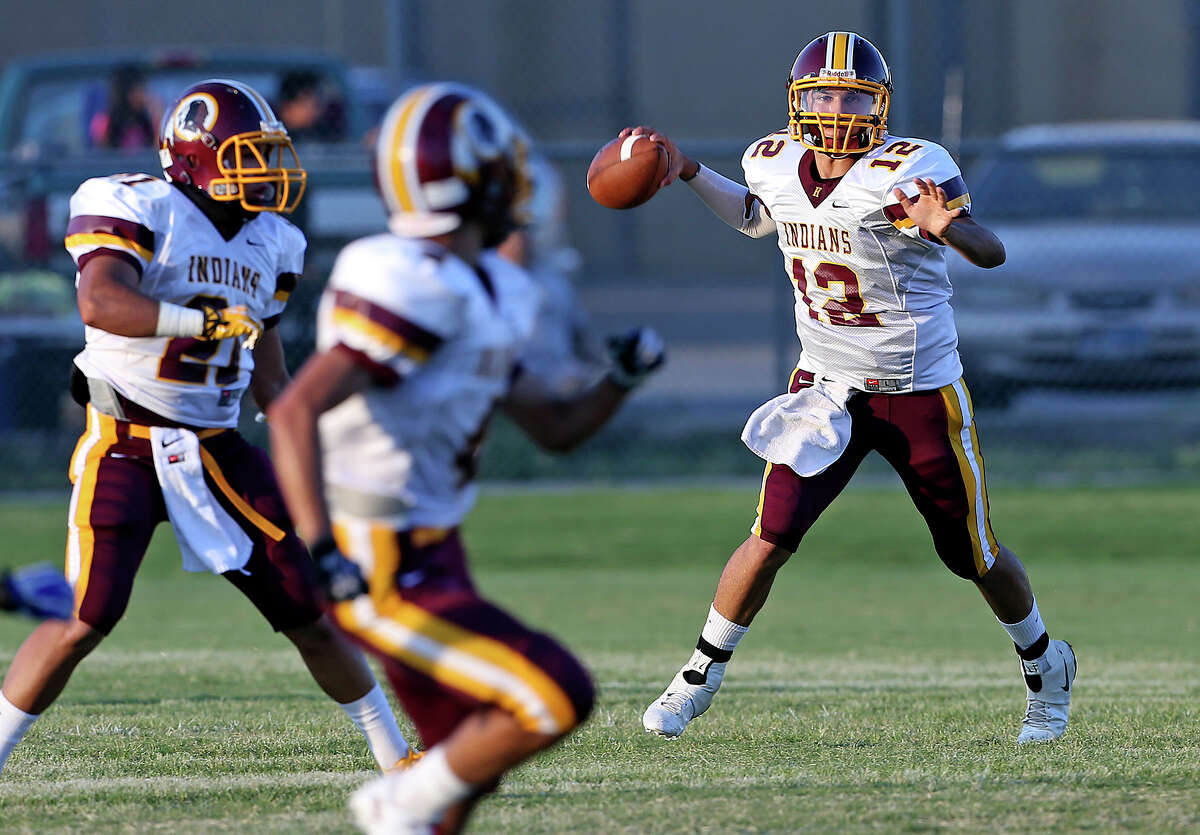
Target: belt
(136, 430)
(105, 399)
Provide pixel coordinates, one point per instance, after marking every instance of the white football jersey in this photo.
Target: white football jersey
(442, 341)
(872, 294)
(182, 259)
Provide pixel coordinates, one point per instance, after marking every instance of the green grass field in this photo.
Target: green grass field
(875, 692)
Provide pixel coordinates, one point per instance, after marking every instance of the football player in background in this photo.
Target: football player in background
(181, 283)
(419, 338)
(864, 220)
(561, 350)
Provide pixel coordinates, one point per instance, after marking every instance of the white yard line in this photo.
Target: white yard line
(177, 785)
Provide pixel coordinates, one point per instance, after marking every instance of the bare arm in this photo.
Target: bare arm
(559, 424)
(108, 298)
(976, 243)
(325, 381)
(270, 375)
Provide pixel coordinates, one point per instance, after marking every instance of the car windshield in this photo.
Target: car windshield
(67, 115)
(1118, 183)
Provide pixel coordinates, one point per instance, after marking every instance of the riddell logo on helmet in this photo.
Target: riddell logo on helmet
(838, 73)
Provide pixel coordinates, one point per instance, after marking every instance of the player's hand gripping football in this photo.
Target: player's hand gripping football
(679, 162)
(231, 321)
(635, 356)
(338, 577)
(929, 210)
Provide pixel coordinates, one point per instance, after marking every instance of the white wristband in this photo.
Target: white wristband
(177, 320)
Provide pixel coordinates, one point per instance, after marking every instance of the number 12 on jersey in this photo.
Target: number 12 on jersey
(844, 307)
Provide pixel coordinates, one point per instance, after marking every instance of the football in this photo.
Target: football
(626, 172)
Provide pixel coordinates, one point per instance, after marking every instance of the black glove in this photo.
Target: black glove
(635, 356)
(338, 577)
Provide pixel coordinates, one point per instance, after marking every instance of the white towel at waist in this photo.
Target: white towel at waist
(806, 431)
(209, 538)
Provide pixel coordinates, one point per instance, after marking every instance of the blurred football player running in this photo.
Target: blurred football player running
(863, 221)
(181, 283)
(419, 337)
(561, 350)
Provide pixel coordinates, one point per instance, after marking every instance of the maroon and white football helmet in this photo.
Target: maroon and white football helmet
(447, 154)
(838, 95)
(222, 137)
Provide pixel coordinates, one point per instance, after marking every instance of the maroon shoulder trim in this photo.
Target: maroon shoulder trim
(414, 334)
(381, 375)
(111, 253)
(127, 229)
(286, 282)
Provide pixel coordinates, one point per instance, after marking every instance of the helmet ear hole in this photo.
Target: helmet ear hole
(192, 160)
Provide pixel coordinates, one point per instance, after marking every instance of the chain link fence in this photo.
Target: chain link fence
(1082, 352)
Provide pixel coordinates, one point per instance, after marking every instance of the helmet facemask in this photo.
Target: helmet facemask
(261, 171)
(837, 115)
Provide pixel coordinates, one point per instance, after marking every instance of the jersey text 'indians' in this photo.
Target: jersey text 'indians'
(214, 269)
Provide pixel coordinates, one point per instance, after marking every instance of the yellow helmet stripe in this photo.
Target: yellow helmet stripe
(397, 172)
(841, 51)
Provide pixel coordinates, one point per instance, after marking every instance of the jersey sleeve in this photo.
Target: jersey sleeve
(389, 317)
(115, 216)
(291, 247)
(755, 218)
(932, 162)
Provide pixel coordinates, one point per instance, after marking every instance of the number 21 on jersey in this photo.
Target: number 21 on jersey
(845, 305)
(188, 360)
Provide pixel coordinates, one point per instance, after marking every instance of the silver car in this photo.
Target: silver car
(1101, 288)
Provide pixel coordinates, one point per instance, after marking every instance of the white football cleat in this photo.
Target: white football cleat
(377, 813)
(687, 696)
(1048, 683)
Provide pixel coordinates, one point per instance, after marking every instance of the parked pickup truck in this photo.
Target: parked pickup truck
(48, 145)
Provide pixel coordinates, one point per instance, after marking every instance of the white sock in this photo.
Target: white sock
(1025, 633)
(721, 632)
(372, 715)
(14, 722)
(429, 788)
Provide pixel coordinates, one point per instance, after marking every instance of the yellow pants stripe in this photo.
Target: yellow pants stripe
(762, 498)
(98, 438)
(257, 519)
(965, 442)
(841, 43)
(477, 664)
